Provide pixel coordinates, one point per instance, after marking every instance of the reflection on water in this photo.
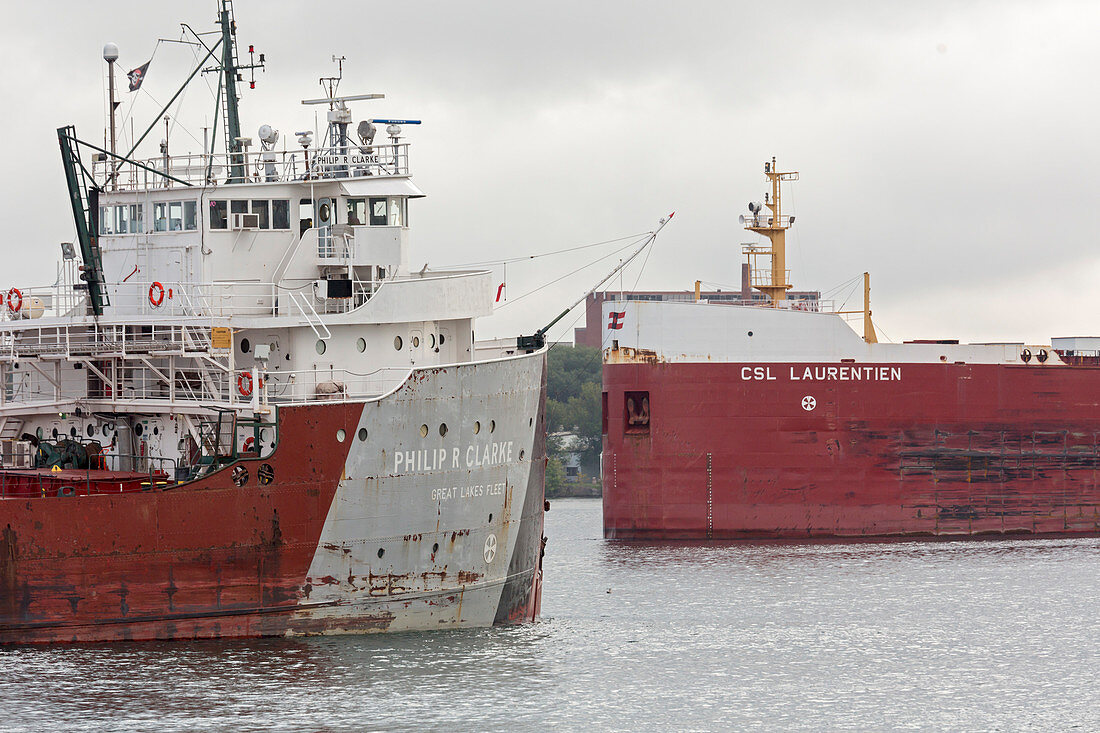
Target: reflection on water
(974, 635)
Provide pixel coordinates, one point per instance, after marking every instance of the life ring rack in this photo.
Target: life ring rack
(244, 384)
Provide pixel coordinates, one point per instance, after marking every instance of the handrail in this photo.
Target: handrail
(261, 166)
(302, 303)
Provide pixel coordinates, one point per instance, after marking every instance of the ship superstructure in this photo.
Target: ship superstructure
(779, 420)
(240, 412)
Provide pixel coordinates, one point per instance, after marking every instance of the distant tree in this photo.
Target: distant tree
(555, 477)
(573, 393)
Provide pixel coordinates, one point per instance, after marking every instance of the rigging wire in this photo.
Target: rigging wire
(524, 258)
(133, 98)
(574, 272)
(584, 312)
(848, 297)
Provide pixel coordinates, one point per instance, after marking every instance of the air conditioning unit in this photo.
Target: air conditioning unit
(246, 221)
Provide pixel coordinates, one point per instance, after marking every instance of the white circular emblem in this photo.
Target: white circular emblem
(490, 547)
(808, 403)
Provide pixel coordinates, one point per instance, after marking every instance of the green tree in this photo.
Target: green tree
(573, 402)
(555, 477)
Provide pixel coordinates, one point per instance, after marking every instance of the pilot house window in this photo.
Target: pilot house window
(219, 214)
(175, 216)
(378, 213)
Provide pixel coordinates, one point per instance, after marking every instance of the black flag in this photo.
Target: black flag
(138, 75)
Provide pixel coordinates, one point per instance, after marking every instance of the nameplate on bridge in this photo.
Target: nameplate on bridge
(348, 159)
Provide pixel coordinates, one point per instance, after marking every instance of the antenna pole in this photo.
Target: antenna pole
(110, 55)
(111, 94)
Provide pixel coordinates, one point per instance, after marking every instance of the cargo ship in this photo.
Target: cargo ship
(775, 418)
(240, 413)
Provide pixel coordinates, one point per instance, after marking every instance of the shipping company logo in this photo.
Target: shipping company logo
(490, 547)
(808, 403)
(615, 320)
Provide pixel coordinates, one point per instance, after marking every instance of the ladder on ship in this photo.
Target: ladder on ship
(231, 126)
(84, 198)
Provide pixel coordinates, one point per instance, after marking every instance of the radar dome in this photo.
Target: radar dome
(110, 52)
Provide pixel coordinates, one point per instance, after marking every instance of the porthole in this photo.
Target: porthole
(106, 429)
(530, 421)
(477, 427)
(264, 434)
(492, 426)
(435, 548)
(416, 342)
(273, 346)
(423, 431)
(340, 435)
(245, 346)
(321, 346)
(54, 433)
(522, 454)
(441, 339)
(397, 343)
(442, 429)
(362, 433)
(156, 430)
(361, 344)
(38, 432)
(431, 344)
(91, 430)
(72, 431)
(139, 429)
(750, 333)
(240, 475)
(265, 473)
(381, 552)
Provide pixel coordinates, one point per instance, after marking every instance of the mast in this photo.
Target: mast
(774, 226)
(110, 55)
(229, 74)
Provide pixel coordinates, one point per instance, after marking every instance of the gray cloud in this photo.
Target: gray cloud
(948, 148)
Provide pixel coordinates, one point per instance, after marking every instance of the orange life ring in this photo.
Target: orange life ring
(244, 384)
(156, 294)
(249, 442)
(15, 300)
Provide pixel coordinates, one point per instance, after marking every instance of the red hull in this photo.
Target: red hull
(208, 559)
(942, 450)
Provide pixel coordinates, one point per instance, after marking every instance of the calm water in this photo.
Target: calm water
(949, 635)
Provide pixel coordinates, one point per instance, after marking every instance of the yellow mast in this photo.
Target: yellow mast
(868, 327)
(774, 226)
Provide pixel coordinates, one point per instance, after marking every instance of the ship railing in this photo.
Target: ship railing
(260, 166)
(765, 220)
(69, 340)
(813, 305)
(160, 473)
(763, 276)
(199, 381)
(221, 299)
(331, 385)
(50, 301)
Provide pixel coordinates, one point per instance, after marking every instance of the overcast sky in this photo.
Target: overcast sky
(951, 149)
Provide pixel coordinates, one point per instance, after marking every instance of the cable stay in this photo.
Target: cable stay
(538, 339)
